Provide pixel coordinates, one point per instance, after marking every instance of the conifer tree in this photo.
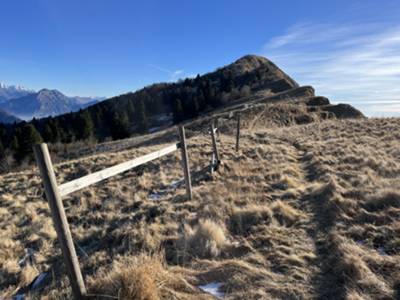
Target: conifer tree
(119, 127)
(2, 152)
(3, 161)
(55, 130)
(48, 133)
(84, 126)
(14, 142)
(141, 118)
(178, 113)
(130, 110)
(27, 136)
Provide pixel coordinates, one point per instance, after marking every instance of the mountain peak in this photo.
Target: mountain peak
(252, 59)
(47, 95)
(269, 75)
(8, 92)
(48, 91)
(250, 63)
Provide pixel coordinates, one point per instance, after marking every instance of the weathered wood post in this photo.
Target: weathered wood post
(60, 220)
(214, 143)
(185, 162)
(216, 125)
(237, 132)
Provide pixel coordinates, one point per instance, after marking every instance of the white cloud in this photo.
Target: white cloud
(354, 63)
(173, 75)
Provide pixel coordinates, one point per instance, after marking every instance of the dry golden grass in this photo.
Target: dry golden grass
(206, 240)
(300, 212)
(141, 277)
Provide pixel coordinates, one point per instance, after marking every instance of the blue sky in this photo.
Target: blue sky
(348, 50)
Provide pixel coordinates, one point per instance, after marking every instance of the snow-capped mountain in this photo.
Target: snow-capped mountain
(8, 92)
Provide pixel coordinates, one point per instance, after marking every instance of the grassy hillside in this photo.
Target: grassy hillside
(306, 209)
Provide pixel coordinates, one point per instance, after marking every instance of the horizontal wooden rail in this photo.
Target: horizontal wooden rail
(80, 183)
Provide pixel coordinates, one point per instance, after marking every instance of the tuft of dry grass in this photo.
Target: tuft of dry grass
(142, 277)
(285, 213)
(132, 278)
(242, 220)
(206, 240)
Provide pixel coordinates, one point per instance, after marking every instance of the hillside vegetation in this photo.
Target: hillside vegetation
(308, 208)
(150, 109)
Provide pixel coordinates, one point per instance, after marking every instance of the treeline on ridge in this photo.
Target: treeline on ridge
(132, 113)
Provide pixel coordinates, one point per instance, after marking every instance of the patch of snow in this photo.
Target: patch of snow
(29, 258)
(213, 289)
(164, 117)
(174, 185)
(158, 195)
(382, 251)
(38, 280)
(155, 196)
(154, 129)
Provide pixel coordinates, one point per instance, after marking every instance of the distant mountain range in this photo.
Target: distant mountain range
(19, 103)
(8, 92)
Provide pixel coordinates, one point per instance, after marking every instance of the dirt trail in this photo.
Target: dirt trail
(320, 227)
(319, 222)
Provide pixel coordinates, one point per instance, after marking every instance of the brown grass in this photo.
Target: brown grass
(134, 279)
(300, 212)
(244, 219)
(206, 240)
(285, 213)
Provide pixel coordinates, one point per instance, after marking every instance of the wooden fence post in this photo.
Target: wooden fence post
(237, 132)
(216, 125)
(60, 220)
(185, 162)
(214, 143)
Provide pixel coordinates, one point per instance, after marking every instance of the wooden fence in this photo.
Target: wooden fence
(55, 192)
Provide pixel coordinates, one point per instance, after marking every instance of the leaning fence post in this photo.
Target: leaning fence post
(237, 132)
(216, 125)
(185, 162)
(60, 220)
(214, 143)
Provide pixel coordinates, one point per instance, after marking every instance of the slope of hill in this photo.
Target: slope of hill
(159, 106)
(300, 212)
(45, 103)
(5, 117)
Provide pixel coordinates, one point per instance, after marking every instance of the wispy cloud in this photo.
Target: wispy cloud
(355, 63)
(173, 75)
